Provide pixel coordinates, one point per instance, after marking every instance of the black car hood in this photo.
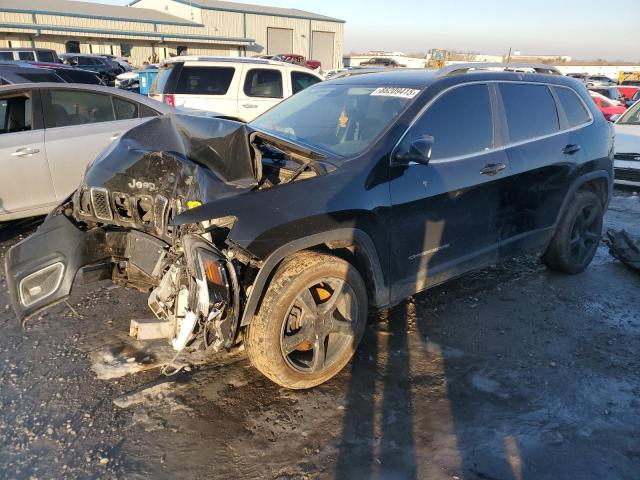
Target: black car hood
(220, 146)
(163, 167)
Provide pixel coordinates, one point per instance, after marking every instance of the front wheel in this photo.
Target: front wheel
(577, 237)
(310, 323)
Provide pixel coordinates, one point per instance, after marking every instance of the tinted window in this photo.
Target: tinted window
(46, 57)
(125, 110)
(6, 55)
(15, 114)
(40, 77)
(262, 82)
(88, 61)
(29, 56)
(460, 123)
(205, 80)
(147, 111)
(301, 80)
(531, 110)
(73, 107)
(574, 109)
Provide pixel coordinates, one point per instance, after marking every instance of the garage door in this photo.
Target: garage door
(279, 40)
(322, 48)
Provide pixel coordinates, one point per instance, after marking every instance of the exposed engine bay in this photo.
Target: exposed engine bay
(120, 224)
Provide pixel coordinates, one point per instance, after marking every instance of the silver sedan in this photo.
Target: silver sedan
(49, 132)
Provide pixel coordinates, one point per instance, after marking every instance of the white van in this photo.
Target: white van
(232, 87)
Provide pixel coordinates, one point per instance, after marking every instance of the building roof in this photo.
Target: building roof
(255, 9)
(91, 10)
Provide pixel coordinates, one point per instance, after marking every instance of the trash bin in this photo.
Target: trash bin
(146, 79)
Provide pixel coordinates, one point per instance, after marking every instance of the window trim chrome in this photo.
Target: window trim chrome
(508, 145)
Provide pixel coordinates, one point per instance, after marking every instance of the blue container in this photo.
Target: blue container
(146, 77)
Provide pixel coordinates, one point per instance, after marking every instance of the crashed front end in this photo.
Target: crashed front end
(119, 224)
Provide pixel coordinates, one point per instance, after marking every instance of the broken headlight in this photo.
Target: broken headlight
(214, 274)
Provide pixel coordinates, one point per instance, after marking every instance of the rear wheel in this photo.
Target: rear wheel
(577, 237)
(310, 322)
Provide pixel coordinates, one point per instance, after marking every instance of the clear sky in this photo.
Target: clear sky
(584, 29)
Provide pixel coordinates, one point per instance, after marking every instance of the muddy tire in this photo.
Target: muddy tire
(577, 237)
(310, 322)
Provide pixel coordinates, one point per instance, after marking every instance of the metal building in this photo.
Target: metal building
(157, 29)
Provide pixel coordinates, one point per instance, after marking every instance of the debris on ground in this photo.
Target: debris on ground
(624, 248)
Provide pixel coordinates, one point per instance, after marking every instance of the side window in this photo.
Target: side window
(574, 109)
(531, 110)
(262, 82)
(15, 113)
(73, 107)
(6, 56)
(125, 110)
(205, 80)
(28, 56)
(44, 56)
(460, 123)
(301, 80)
(148, 111)
(87, 61)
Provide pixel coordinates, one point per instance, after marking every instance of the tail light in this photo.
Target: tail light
(170, 100)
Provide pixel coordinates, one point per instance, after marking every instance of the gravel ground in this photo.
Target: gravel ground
(514, 372)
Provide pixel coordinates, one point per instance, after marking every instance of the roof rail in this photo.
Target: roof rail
(458, 68)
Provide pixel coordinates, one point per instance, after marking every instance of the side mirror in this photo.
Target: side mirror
(419, 151)
(614, 118)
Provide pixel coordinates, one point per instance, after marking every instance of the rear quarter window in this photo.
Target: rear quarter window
(574, 109)
(47, 57)
(531, 111)
(205, 80)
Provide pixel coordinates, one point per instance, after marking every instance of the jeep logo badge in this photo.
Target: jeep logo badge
(141, 185)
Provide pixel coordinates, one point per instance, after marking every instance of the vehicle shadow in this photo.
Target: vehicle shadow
(13, 228)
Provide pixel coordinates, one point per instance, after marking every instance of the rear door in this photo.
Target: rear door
(209, 87)
(25, 183)
(544, 149)
(80, 124)
(262, 88)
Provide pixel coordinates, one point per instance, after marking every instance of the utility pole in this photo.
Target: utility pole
(509, 56)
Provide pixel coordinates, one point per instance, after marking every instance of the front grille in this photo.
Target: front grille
(627, 174)
(634, 157)
(100, 201)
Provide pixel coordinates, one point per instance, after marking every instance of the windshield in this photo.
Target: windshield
(340, 119)
(631, 116)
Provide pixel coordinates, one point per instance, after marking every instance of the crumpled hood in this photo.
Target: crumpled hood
(221, 146)
(163, 167)
(627, 138)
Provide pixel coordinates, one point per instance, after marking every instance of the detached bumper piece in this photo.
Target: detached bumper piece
(624, 248)
(41, 269)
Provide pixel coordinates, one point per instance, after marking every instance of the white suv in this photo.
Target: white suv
(232, 87)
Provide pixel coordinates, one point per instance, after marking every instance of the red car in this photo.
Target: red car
(627, 91)
(298, 60)
(606, 106)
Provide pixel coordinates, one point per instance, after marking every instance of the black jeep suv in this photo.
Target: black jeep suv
(353, 193)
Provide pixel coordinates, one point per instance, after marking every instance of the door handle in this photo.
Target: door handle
(25, 152)
(492, 169)
(115, 136)
(250, 105)
(571, 149)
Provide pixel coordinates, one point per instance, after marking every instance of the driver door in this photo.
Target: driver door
(445, 215)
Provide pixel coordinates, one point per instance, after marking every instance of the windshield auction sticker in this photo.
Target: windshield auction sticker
(395, 92)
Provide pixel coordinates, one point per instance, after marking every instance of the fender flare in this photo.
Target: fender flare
(355, 236)
(579, 182)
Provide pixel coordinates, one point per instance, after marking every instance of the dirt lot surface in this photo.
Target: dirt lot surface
(514, 372)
